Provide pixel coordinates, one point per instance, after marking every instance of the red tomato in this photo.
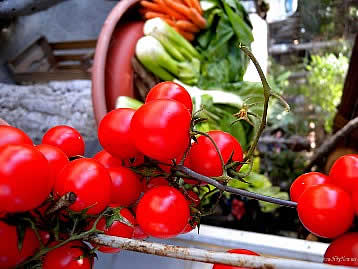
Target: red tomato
(344, 172)
(163, 212)
(89, 180)
(68, 256)
(188, 228)
(238, 208)
(343, 251)
(107, 160)
(12, 135)
(237, 251)
(126, 186)
(155, 182)
(205, 150)
(194, 201)
(326, 210)
(355, 201)
(10, 255)
(303, 182)
(24, 178)
(138, 233)
(117, 229)
(56, 158)
(114, 133)
(170, 90)
(68, 139)
(45, 236)
(160, 129)
(166, 168)
(193, 198)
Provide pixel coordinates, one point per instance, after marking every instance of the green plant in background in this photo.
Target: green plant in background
(325, 83)
(259, 183)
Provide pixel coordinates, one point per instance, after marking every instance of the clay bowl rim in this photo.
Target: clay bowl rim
(100, 56)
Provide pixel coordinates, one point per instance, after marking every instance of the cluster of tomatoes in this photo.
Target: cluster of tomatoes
(327, 205)
(113, 192)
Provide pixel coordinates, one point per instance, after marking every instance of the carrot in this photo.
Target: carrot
(151, 15)
(187, 26)
(188, 36)
(188, 3)
(151, 6)
(171, 13)
(170, 22)
(196, 18)
(178, 7)
(196, 5)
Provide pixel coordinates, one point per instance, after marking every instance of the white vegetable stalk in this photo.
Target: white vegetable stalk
(164, 33)
(167, 54)
(218, 96)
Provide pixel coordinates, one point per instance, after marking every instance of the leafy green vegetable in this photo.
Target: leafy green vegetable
(222, 60)
(260, 184)
(222, 103)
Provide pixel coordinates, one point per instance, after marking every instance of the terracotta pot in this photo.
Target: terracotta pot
(100, 104)
(2, 122)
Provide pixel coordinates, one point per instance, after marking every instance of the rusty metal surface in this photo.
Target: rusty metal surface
(201, 255)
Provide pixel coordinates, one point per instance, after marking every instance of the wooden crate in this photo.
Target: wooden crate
(43, 61)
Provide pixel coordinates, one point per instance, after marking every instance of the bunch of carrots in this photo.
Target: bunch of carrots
(185, 16)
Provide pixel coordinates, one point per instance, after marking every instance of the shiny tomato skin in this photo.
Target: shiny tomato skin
(138, 233)
(205, 150)
(24, 178)
(107, 160)
(89, 180)
(68, 256)
(10, 255)
(343, 251)
(163, 212)
(170, 90)
(68, 139)
(160, 129)
(344, 172)
(126, 186)
(56, 158)
(326, 210)
(13, 135)
(117, 229)
(114, 133)
(236, 251)
(303, 182)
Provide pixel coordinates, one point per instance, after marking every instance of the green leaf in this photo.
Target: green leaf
(242, 31)
(116, 216)
(222, 61)
(235, 183)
